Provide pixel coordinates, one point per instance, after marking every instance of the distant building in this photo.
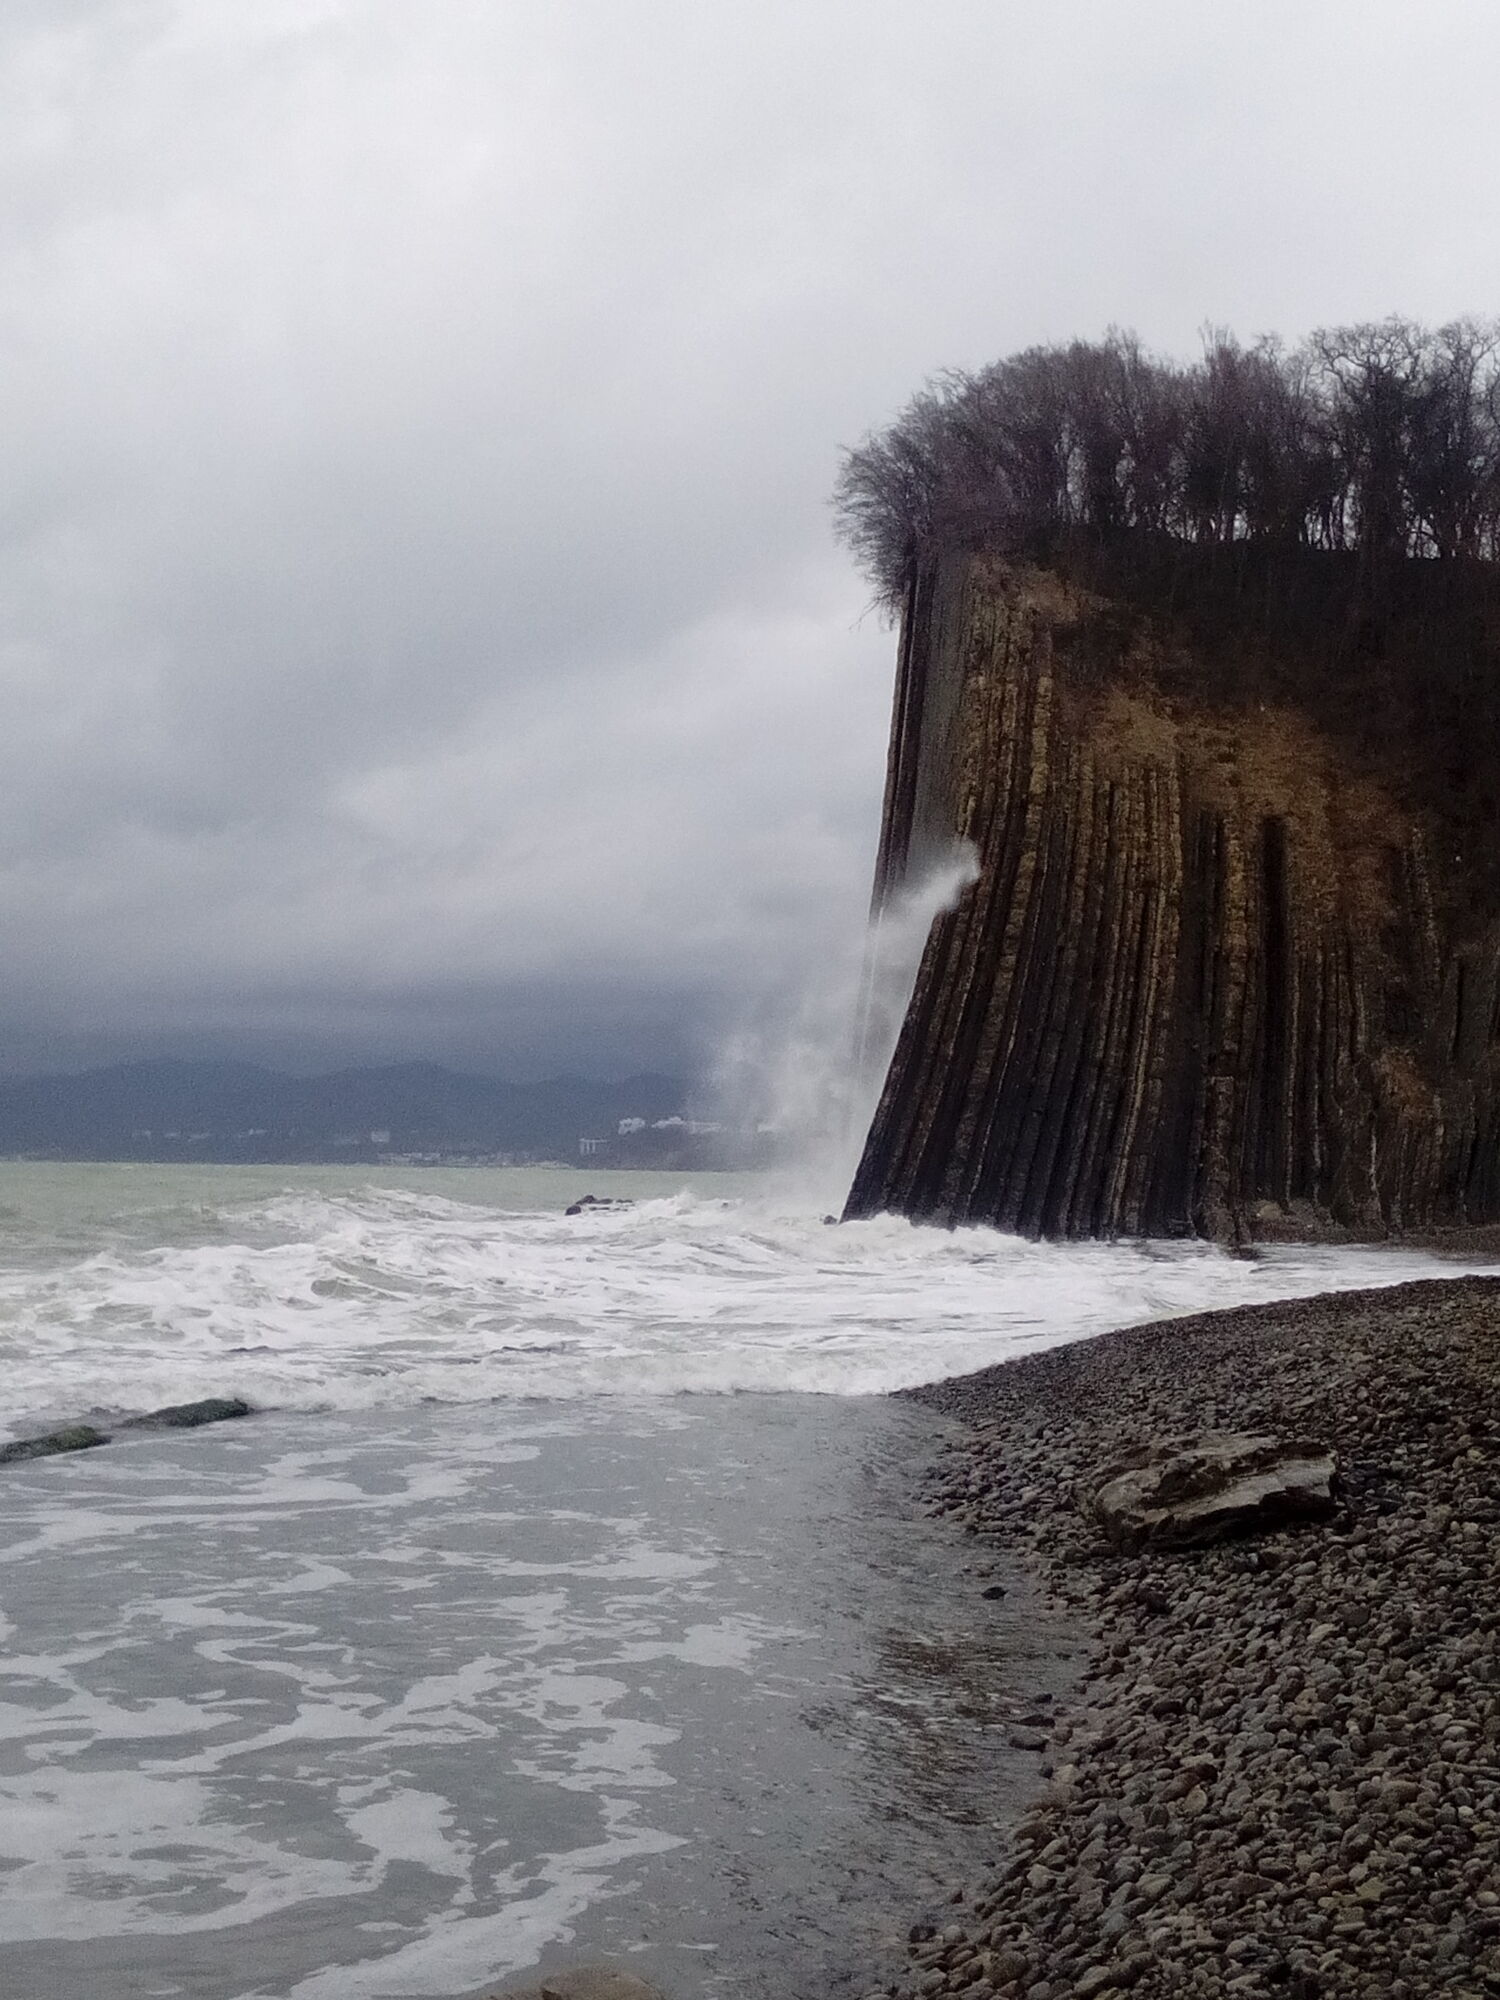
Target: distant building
(588, 1147)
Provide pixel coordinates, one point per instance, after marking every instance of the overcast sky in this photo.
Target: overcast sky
(422, 630)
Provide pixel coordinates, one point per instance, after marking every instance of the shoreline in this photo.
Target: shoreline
(1282, 1775)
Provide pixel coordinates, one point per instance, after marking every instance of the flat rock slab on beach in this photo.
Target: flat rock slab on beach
(1283, 1777)
(1203, 1489)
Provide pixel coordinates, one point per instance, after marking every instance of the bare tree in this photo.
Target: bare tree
(1381, 438)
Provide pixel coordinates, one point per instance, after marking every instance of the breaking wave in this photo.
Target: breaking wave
(388, 1298)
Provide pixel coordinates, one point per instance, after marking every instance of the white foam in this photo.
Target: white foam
(163, 1764)
(387, 1298)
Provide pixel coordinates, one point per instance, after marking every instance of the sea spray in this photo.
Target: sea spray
(894, 945)
(808, 1077)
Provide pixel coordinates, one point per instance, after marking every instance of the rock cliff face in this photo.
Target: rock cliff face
(1216, 975)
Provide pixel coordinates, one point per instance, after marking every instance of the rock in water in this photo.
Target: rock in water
(584, 1982)
(73, 1437)
(188, 1416)
(1202, 1489)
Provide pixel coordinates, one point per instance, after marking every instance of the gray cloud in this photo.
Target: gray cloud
(419, 623)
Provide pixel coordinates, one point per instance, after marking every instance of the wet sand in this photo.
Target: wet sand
(1282, 1775)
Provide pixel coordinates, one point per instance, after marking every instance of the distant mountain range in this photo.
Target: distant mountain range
(230, 1112)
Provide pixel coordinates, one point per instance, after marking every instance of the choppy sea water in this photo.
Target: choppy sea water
(505, 1633)
(123, 1288)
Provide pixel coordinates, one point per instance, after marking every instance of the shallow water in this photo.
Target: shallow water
(334, 1707)
(512, 1628)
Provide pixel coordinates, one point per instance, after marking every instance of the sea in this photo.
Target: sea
(568, 1595)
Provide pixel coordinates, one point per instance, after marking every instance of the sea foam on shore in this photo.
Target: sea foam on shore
(307, 1290)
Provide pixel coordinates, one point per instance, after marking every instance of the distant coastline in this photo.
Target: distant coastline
(412, 1114)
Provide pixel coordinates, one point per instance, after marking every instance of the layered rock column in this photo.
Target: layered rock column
(1201, 983)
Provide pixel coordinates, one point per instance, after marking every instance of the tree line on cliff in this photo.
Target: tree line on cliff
(1380, 441)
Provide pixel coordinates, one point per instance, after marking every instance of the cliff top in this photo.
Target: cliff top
(1380, 440)
(1312, 529)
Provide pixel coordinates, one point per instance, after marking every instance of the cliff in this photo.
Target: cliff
(1231, 963)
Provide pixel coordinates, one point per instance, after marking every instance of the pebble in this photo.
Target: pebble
(1283, 1771)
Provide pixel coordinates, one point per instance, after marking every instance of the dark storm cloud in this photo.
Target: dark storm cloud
(420, 627)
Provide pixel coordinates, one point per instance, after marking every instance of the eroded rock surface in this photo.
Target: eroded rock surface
(1204, 1489)
(1220, 971)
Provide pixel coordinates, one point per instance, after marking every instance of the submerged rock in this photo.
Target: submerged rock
(188, 1416)
(1200, 1490)
(82, 1437)
(593, 1201)
(72, 1437)
(584, 1982)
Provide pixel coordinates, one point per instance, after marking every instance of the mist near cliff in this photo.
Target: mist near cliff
(805, 1073)
(420, 628)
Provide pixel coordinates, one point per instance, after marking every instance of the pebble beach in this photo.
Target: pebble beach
(1281, 1775)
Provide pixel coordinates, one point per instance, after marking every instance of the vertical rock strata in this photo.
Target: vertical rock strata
(1209, 979)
